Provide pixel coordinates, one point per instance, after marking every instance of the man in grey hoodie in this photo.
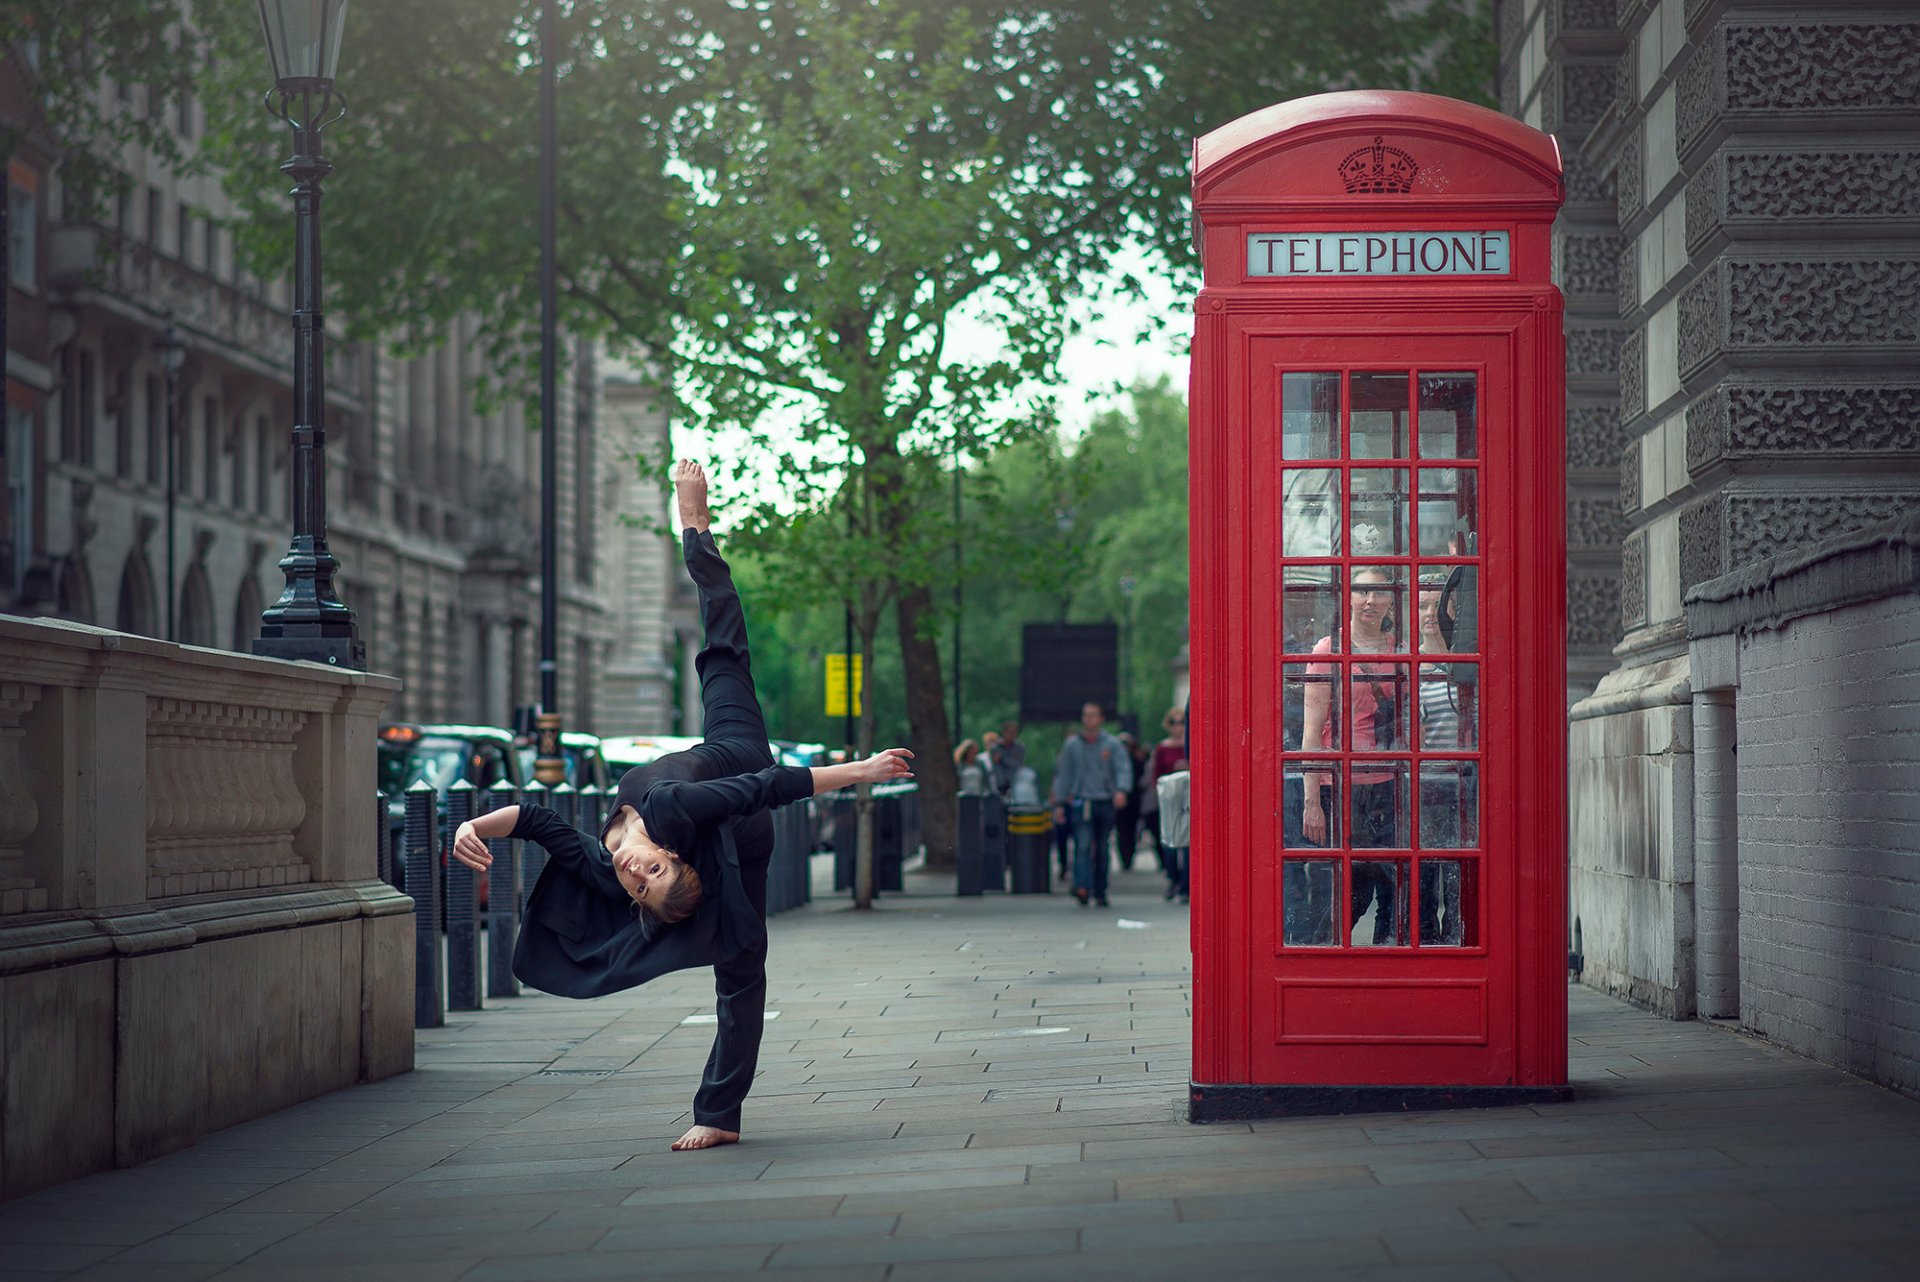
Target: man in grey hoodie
(1092, 778)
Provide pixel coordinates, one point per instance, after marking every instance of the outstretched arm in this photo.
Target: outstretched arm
(710, 800)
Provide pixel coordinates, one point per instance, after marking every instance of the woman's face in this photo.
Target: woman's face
(1372, 598)
(646, 870)
(1430, 619)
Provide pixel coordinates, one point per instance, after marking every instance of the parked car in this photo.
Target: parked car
(441, 755)
(623, 753)
(586, 763)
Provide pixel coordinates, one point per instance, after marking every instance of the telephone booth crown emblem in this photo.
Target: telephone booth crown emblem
(1378, 168)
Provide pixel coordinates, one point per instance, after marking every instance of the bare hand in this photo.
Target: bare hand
(470, 848)
(1313, 822)
(1119, 801)
(886, 766)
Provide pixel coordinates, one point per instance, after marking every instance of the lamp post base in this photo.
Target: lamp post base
(337, 652)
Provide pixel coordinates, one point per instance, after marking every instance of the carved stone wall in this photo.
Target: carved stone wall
(1826, 71)
(1747, 420)
(1748, 306)
(1633, 582)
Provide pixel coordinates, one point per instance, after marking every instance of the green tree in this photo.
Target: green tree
(792, 199)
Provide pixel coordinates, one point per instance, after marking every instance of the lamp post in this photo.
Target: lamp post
(308, 621)
(173, 356)
(549, 767)
(1127, 584)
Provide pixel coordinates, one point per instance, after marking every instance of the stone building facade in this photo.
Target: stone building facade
(433, 497)
(1751, 174)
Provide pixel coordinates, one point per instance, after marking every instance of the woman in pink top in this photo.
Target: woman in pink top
(1377, 706)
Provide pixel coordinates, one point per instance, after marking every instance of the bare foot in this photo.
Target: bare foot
(690, 493)
(704, 1136)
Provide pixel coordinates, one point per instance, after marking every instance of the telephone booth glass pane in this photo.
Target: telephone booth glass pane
(1380, 798)
(1311, 798)
(1377, 609)
(1449, 707)
(1310, 707)
(1306, 908)
(1452, 591)
(1379, 700)
(1448, 416)
(1310, 609)
(1449, 805)
(1310, 512)
(1309, 416)
(1449, 511)
(1377, 903)
(1443, 903)
(1379, 416)
(1379, 523)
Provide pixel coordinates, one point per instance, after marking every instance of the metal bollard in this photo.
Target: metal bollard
(969, 838)
(463, 909)
(382, 840)
(565, 802)
(846, 833)
(423, 884)
(533, 856)
(503, 901)
(993, 842)
(1029, 834)
(591, 814)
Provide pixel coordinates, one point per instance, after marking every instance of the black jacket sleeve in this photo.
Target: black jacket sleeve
(712, 800)
(581, 854)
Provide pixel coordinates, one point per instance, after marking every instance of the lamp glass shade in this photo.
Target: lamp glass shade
(303, 39)
(173, 351)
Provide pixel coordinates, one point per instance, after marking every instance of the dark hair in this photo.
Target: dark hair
(676, 904)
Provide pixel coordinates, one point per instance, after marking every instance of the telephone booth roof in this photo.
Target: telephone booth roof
(1445, 155)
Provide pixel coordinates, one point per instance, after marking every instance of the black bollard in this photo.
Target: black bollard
(993, 842)
(463, 909)
(846, 835)
(590, 813)
(382, 840)
(533, 856)
(503, 902)
(423, 884)
(969, 872)
(1029, 835)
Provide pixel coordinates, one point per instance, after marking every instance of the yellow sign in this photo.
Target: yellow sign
(837, 702)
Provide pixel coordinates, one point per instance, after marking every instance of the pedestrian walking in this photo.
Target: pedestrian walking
(1169, 757)
(1092, 777)
(678, 876)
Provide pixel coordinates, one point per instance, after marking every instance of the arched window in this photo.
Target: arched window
(134, 611)
(246, 613)
(196, 608)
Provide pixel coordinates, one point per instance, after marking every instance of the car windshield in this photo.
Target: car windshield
(434, 760)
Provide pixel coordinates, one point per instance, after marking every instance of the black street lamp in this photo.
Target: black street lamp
(173, 355)
(308, 621)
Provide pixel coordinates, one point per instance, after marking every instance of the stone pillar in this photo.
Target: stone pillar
(1716, 856)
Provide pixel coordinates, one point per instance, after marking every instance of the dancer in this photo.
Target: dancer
(678, 877)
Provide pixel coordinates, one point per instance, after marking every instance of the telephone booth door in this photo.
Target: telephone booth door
(1378, 686)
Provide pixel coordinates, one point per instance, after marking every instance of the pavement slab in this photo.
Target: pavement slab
(995, 1087)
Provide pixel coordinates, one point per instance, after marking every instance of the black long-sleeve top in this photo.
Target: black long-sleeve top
(582, 936)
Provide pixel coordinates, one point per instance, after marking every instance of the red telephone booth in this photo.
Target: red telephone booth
(1378, 611)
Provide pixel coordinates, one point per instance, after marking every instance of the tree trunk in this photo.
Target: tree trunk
(927, 722)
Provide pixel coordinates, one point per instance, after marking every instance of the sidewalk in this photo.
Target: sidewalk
(992, 1089)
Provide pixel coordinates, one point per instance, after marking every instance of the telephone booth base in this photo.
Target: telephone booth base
(1240, 1103)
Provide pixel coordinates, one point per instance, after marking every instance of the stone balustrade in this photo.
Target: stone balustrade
(192, 929)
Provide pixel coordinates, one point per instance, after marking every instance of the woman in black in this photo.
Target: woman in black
(678, 877)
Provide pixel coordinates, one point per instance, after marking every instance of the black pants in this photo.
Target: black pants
(735, 743)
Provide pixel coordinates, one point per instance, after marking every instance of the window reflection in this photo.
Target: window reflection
(1309, 416)
(1377, 903)
(1309, 607)
(1379, 416)
(1306, 901)
(1449, 903)
(1448, 415)
(1311, 793)
(1449, 805)
(1310, 512)
(1449, 511)
(1379, 524)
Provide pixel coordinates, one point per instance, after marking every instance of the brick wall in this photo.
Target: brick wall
(1828, 720)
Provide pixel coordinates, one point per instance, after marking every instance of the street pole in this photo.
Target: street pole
(549, 768)
(959, 617)
(309, 621)
(173, 355)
